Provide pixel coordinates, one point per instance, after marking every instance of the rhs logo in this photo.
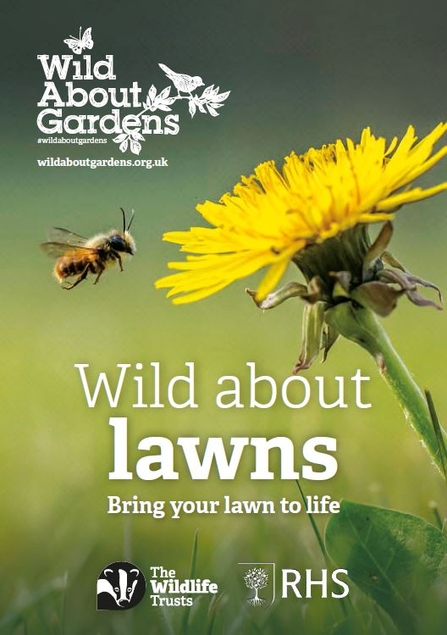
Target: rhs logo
(260, 580)
(134, 113)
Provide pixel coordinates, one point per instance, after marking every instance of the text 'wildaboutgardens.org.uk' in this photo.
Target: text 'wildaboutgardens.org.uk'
(67, 162)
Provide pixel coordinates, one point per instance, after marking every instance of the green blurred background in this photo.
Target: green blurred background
(301, 74)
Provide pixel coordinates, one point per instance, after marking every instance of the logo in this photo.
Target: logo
(82, 102)
(167, 589)
(77, 45)
(260, 580)
(121, 586)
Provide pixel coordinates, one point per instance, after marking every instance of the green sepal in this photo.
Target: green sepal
(272, 300)
(372, 260)
(313, 321)
(328, 338)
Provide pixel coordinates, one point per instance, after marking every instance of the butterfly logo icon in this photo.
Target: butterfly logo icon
(84, 41)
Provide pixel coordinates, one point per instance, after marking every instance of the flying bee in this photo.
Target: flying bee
(79, 256)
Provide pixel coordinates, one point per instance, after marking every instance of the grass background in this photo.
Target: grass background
(300, 75)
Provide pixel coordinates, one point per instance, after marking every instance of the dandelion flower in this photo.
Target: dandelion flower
(314, 213)
(274, 217)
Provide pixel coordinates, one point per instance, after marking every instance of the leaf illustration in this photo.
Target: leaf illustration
(398, 560)
(124, 144)
(212, 112)
(208, 91)
(210, 100)
(222, 96)
(165, 105)
(151, 93)
(136, 136)
(192, 107)
(120, 137)
(165, 93)
(162, 101)
(135, 146)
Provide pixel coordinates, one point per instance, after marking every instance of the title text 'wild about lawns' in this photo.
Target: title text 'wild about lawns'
(201, 456)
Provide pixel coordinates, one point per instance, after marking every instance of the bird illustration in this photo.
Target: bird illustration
(183, 83)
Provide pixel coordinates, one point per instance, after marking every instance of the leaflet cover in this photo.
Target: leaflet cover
(223, 383)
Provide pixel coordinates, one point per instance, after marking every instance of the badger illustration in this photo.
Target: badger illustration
(121, 585)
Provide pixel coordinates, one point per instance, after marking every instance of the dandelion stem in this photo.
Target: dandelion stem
(362, 327)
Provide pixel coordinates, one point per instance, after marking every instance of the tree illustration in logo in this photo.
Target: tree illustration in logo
(256, 579)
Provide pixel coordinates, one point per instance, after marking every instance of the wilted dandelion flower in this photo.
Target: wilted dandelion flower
(315, 213)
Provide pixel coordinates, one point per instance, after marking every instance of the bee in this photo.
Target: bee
(79, 256)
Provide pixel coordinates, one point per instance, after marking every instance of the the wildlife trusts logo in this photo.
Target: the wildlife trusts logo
(120, 586)
(259, 578)
(70, 104)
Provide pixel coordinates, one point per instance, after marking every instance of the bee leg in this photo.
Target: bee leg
(120, 262)
(99, 275)
(68, 286)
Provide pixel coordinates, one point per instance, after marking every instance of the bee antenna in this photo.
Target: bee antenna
(131, 220)
(124, 220)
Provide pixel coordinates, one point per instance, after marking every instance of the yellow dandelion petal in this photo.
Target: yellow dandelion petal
(201, 273)
(418, 194)
(273, 215)
(271, 278)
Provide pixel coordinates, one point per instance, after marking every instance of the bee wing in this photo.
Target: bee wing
(56, 250)
(62, 241)
(71, 239)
